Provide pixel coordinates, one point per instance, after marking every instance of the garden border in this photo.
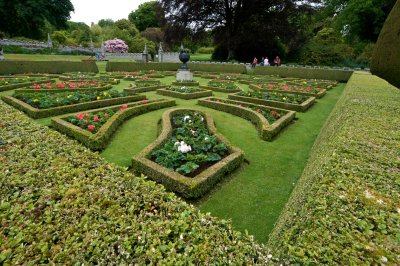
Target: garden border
(21, 85)
(266, 130)
(217, 89)
(288, 106)
(145, 89)
(185, 96)
(186, 186)
(316, 95)
(102, 88)
(100, 139)
(41, 113)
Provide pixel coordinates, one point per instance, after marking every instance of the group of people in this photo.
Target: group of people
(264, 62)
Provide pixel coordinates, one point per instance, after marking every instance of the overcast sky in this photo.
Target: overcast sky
(89, 11)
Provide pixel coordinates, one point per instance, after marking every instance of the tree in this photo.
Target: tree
(156, 35)
(148, 15)
(27, 18)
(244, 28)
(386, 57)
(359, 20)
(105, 22)
(126, 25)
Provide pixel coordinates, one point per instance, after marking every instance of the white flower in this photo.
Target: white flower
(206, 138)
(183, 147)
(193, 132)
(186, 117)
(269, 256)
(176, 143)
(384, 259)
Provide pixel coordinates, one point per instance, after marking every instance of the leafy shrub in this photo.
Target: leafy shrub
(220, 53)
(116, 46)
(205, 50)
(51, 67)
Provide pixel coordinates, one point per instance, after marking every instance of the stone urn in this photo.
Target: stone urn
(184, 57)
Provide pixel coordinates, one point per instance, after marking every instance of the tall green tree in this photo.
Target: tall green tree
(243, 28)
(28, 18)
(148, 15)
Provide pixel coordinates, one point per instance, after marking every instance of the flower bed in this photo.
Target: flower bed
(287, 101)
(43, 104)
(133, 88)
(269, 121)
(222, 86)
(185, 83)
(95, 128)
(229, 76)
(293, 89)
(15, 83)
(189, 145)
(186, 93)
(77, 76)
(147, 82)
(66, 86)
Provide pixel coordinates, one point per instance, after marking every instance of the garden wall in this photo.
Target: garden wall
(51, 67)
(344, 209)
(134, 66)
(63, 204)
(306, 73)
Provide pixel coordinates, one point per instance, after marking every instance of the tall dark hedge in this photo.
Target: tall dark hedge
(386, 58)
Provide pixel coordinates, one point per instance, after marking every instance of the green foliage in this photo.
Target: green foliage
(105, 22)
(31, 18)
(220, 53)
(348, 195)
(386, 56)
(22, 67)
(138, 43)
(60, 37)
(184, 93)
(146, 16)
(83, 213)
(126, 25)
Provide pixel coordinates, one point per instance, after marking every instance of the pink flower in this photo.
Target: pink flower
(124, 106)
(106, 115)
(79, 116)
(96, 118)
(91, 128)
(145, 101)
(87, 115)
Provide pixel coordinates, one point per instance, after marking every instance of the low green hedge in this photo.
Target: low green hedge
(185, 96)
(100, 140)
(344, 209)
(316, 95)
(288, 106)
(102, 88)
(134, 66)
(62, 204)
(188, 187)
(41, 113)
(305, 73)
(145, 89)
(185, 83)
(221, 89)
(266, 131)
(21, 85)
(51, 67)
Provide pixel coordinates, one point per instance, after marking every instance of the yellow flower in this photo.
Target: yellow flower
(98, 97)
(35, 100)
(284, 98)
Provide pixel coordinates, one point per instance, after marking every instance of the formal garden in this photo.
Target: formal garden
(123, 162)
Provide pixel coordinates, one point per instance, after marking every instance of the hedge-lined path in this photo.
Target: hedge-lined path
(254, 196)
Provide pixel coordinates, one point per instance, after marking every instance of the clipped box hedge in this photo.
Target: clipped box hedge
(316, 95)
(288, 106)
(26, 84)
(139, 66)
(101, 88)
(344, 209)
(100, 139)
(185, 96)
(62, 204)
(305, 73)
(133, 88)
(185, 83)
(50, 67)
(41, 113)
(188, 187)
(266, 130)
(217, 89)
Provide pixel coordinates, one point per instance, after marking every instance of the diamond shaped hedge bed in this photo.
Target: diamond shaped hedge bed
(188, 187)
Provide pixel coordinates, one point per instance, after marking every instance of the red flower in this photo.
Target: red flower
(106, 115)
(79, 116)
(87, 115)
(145, 101)
(91, 128)
(96, 118)
(124, 106)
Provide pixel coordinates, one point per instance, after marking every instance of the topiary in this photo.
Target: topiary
(386, 58)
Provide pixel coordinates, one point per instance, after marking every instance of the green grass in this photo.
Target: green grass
(254, 196)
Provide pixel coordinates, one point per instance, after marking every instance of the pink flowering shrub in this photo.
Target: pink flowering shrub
(116, 46)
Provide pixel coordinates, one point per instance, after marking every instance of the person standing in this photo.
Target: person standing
(1, 53)
(266, 62)
(254, 63)
(277, 61)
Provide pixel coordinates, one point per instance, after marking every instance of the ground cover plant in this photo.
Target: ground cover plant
(92, 198)
(17, 80)
(184, 92)
(147, 82)
(191, 146)
(345, 208)
(294, 89)
(67, 85)
(43, 100)
(184, 89)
